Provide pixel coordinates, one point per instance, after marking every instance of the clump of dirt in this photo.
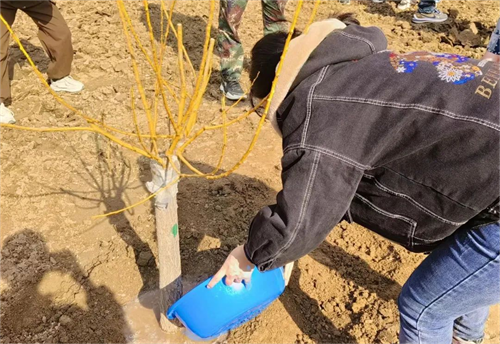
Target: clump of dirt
(65, 277)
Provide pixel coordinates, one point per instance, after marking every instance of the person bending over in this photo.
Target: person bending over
(406, 145)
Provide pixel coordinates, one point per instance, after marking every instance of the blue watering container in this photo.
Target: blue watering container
(210, 312)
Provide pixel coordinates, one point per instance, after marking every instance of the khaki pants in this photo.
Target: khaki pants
(53, 32)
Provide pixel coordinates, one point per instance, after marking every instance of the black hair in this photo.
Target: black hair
(266, 55)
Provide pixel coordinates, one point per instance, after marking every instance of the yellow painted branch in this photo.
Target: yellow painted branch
(189, 165)
(162, 37)
(127, 22)
(157, 68)
(239, 118)
(180, 151)
(186, 55)
(47, 130)
(213, 127)
(152, 123)
(285, 50)
(313, 15)
(271, 94)
(193, 115)
(171, 91)
(140, 202)
(147, 110)
(198, 93)
(268, 103)
(13, 126)
(91, 129)
(224, 136)
(134, 116)
(245, 156)
(182, 75)
(187, 118)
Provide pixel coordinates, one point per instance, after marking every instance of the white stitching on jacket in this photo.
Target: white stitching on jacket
(309, 103)
(305, 202)
(410, 106)
(430, 240)
(408, 198)
(329, 153)
(492, 208)
(411, 222)
(428, 186)
(372, 47)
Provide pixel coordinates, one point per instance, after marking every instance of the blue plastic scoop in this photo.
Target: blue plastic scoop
(210, 312)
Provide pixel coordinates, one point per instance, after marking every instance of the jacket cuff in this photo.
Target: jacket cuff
(247, 254)
(263, 266)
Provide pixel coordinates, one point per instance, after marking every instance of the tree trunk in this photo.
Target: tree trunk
(167, 230)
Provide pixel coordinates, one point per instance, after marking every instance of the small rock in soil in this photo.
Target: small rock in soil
(65, 320)
(144, 258)
(386, 336)
(63, 338)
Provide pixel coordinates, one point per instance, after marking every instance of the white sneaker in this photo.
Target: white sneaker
(66, 84)
(378, 1)
(458, 340)
(435, 17)
(404, 5)
(6, 115)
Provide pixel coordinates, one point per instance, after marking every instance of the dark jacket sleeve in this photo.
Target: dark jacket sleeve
(317, 192)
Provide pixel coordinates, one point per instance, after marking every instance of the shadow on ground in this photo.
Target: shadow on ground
(51, 299)
(213, 219)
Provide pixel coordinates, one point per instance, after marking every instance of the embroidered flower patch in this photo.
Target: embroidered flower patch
(450, 67)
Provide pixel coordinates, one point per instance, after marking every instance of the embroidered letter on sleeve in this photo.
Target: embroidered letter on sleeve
(489, 81)
(483, 91)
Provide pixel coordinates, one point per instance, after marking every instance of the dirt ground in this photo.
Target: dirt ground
(65, 278)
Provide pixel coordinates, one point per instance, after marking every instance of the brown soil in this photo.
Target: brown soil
(65, 277)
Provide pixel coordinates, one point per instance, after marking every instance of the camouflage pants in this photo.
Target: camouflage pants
(228, 42)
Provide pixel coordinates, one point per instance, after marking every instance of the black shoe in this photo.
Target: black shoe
(232, 90)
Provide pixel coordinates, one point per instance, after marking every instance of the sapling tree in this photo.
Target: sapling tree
(166, 123)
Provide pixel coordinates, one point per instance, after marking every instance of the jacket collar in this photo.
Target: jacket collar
(299, 50)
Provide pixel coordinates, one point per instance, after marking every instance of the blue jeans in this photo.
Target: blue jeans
(427, 6)
(494, 45)
(451, 291)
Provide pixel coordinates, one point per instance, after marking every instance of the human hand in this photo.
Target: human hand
(492, 57)
(236, 268)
